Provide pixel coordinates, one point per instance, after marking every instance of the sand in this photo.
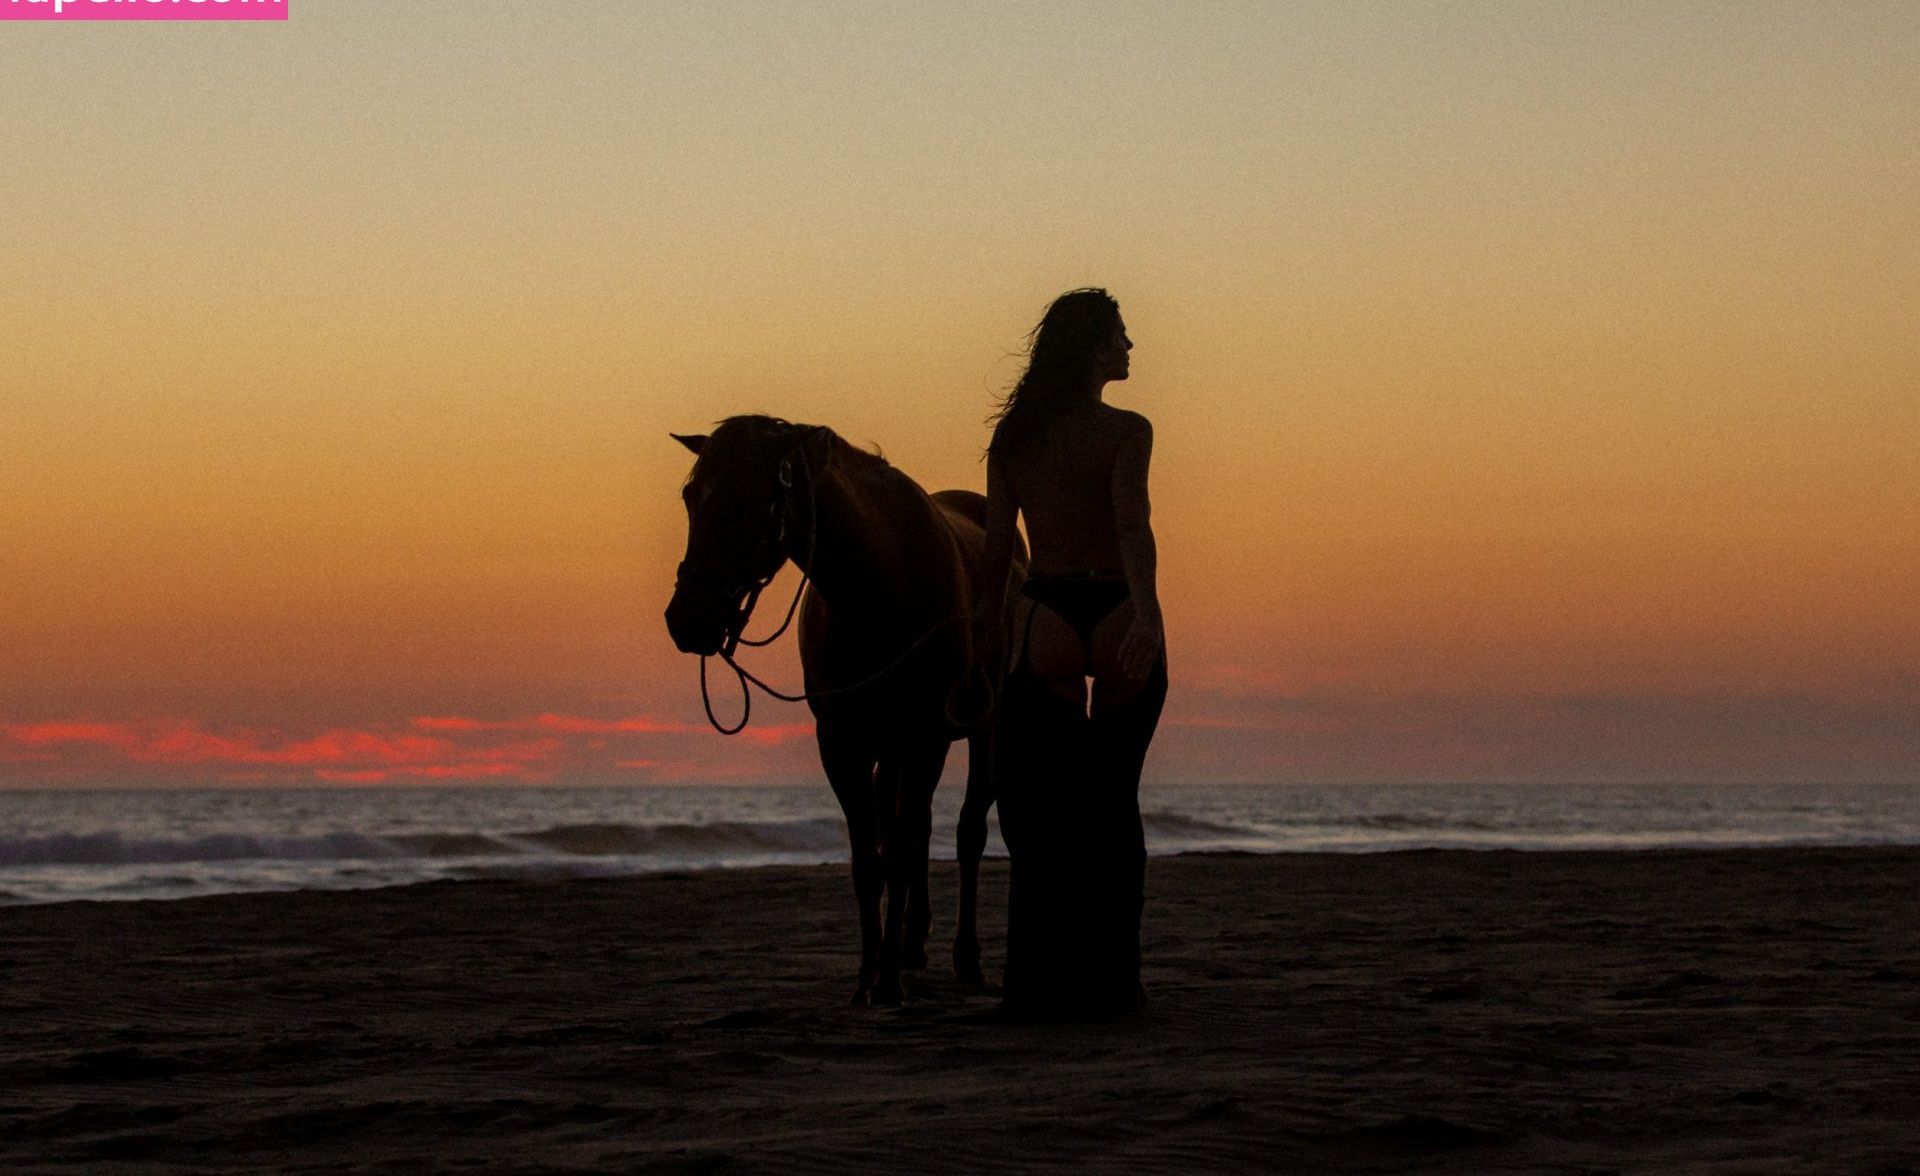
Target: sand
(1732, 1011)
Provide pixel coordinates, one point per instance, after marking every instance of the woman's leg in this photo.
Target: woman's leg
(1122, 733)
(1124, 716)
(1040, 749)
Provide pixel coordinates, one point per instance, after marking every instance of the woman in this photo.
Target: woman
(1066, 765)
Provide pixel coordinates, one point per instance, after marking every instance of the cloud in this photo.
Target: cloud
(566, 724)
(45, 734)
(544, 747)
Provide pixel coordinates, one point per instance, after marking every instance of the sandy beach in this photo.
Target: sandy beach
(1671, 1011)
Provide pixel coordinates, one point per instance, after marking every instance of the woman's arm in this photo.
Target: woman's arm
(1132, 524)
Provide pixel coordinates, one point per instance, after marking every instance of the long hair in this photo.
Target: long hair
(1059, 350)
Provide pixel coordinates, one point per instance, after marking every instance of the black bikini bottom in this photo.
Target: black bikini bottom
(1081, 601)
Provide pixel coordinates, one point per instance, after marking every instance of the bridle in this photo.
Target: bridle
(781, 512)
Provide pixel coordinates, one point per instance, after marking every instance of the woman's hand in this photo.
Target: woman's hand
(1142, 646)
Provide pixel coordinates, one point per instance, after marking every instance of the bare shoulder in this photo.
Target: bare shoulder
(1128, 428)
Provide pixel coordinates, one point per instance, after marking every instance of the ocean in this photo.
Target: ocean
(154, 844)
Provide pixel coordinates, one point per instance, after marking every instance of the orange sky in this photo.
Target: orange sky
(1534, 389)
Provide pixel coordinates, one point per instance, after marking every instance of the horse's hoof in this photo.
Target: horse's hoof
(886, 994)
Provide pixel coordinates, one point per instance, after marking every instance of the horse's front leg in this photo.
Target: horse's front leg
(903, 788)
(970, 843)
(895, 871)
(849, 770)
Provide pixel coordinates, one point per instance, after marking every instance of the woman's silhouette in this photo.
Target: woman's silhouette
(1067, 766)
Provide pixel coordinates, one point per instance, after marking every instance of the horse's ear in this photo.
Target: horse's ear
(695, 442)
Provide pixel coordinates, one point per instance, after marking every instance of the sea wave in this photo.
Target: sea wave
(718, 840)
(453, 845)
(1181, 827)
(88, 849)
(1417, 822)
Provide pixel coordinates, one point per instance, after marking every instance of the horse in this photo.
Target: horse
(896, 663)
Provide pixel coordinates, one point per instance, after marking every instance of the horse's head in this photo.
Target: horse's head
(746, 497)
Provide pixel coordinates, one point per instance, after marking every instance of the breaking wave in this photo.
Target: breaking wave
(89, 849)
(718, 841)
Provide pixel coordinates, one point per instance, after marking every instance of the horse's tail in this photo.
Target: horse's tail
(972, 701)
(972, 506)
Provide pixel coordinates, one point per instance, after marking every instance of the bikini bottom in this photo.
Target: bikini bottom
(1081, 601)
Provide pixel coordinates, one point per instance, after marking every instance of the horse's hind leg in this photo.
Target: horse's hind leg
(970, 842)
(916, 809)
(849, 770)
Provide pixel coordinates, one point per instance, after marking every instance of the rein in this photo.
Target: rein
(747, 676)
(738, 636)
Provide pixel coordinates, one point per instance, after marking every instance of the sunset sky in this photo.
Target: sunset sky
(1536, 387)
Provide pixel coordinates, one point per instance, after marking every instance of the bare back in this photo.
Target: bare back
(1064, 489)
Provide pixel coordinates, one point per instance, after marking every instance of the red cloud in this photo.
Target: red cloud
(765, 735)
(448, 723)
(426, 772)
(56, 733)
(534, 748)
(567, 724)
(777, 733)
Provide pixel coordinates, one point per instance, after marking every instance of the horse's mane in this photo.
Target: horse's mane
(762, 428)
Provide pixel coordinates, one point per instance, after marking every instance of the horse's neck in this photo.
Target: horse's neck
(856, 548)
